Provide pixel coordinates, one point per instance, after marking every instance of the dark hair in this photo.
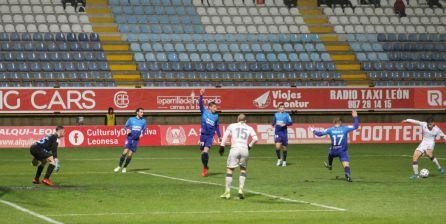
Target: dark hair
(337, 120)
(281, 105)
(59, 128)
(140, 108)
(110, 109)
(430, 120)
(211, 104)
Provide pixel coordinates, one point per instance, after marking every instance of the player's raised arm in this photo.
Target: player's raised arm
(200, 100)
(356, 124)
(413, 121)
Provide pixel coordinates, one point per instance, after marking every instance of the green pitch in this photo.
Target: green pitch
(163, 185)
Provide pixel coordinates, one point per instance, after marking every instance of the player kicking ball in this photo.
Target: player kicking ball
(209, 126)
(238, 156)
(135, 127)
(339, 143)
(430, 132)
(45, 151)
(280, 123)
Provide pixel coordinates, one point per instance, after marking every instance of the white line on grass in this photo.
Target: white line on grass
(191, 212)
(20, 208)
(249, 191)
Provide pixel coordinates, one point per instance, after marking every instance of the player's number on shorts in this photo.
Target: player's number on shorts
(337, 139)
(242, 133)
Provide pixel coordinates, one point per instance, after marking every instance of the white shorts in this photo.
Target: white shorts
(238, 157)
(425, 145)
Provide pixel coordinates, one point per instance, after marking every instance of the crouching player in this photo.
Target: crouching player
(339, 143)
(238, 156)
(135, 127)
(45, 151)
(430, 132)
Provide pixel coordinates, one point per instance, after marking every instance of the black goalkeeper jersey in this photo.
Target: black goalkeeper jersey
(49, 143)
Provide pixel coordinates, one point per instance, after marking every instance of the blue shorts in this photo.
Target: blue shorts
(206, 141)
(131, 144)
(341, 153)
(281, 138)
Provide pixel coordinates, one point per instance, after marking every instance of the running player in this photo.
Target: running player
(135, 127)
(238, 156)
(430, 132)
(281, 122)
(209, 125)
(339, 143)
(45, 151)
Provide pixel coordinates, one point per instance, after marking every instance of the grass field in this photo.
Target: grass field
(163, 185)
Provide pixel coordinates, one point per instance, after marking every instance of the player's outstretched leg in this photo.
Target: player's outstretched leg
(242, 180)
(36, 179)
(278, 147)
(127, 161)
(416, 156)
(347, 172)
(49, 171)
(205, 161)
(329, 164)
(121, 160)
(228, 184)
(430, 154)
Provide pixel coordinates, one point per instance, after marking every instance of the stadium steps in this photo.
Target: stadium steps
(117, 51)
(339, 50)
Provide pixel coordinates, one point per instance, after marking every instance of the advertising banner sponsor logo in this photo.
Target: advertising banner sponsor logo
(231, 99)
(24, 136)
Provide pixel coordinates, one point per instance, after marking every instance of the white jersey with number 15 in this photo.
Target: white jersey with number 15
(240, 133)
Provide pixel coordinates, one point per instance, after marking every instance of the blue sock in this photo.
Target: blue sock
(205, 159)
(285, 153)
(278, 153)
(347, 170)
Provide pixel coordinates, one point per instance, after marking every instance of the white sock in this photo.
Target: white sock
(415, 168)
(242, 180)
(228, 182)
(435, 161)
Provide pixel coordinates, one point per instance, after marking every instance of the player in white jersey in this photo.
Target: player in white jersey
(238, 156)
(430, 133)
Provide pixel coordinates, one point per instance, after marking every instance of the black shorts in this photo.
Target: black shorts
(40, 153)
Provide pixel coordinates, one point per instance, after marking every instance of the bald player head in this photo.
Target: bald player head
(241, 118)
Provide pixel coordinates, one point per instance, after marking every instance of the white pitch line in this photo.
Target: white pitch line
(423, 157)
(249, 191)
(20, 208)
(190, 212)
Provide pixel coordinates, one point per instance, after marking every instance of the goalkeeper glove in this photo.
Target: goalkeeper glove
(221, 150)
(57, 165)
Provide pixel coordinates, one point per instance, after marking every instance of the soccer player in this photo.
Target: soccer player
(135, 127)
(430, 132)
(238, 156)
(281, 122)
(209, 125)
(45, 151)
(339, 143)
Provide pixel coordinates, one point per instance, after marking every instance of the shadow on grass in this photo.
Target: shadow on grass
(139, 170)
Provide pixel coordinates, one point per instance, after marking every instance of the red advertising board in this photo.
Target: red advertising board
(177, 135)
(228, 99)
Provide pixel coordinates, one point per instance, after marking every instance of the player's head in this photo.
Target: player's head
(110, 110)
(430, 123)
(212, 107)
(60, 131)
(281, 108)
(337, 121)
(241, 118)
(139, 112)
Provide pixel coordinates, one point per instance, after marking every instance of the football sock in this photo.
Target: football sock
(330, 160)
(228, 182)
(49, 170)
(278, 153)
(435, 161)
(242, 180)
(285, 153)
(121, 160)
(347, 170)
(127, 161)
(415, 167)
(39, 171)
(205, 159)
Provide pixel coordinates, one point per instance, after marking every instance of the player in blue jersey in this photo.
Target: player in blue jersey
(339, 143)
(280, 123)
(209, 126)
(135, 128)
